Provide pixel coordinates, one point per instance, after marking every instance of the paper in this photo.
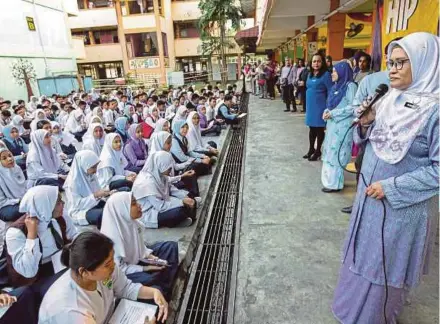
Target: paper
(132, 312)
(242, 115)
(56, 262)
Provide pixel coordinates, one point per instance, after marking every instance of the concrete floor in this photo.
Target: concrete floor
(292, 233)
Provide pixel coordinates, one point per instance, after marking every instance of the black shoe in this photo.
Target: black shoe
(308, 155)
(327, 190)
(315, 157)
(347, 210)
(286, 110)
(294, 110)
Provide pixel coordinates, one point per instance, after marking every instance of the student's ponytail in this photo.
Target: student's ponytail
(65, 255)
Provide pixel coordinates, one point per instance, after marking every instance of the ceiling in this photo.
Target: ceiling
(280, 18)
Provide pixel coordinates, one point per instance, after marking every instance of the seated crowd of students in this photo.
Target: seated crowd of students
(122, 161)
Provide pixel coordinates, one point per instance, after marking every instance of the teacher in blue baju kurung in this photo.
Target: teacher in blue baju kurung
(339, 117)
(318, 86)
(401, 172)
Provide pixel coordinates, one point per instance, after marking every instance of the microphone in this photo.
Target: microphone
(380, 91)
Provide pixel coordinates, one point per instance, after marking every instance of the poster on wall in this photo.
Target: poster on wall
(144, 63)
(403, 17)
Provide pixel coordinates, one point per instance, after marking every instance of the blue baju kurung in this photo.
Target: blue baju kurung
(411, 191)
(332, 175)
(316, 98)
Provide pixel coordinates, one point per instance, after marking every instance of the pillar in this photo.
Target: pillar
(295, 45)
(121, 36)
(239, 66)
(311, 35)
(163, 73)
(335, 33)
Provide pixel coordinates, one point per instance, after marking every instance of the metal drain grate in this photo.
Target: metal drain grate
(207, 296)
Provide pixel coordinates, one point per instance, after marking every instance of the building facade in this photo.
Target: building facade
(143, 38)
(37, 32)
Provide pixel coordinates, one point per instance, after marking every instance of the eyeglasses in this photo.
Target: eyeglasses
(397, 64)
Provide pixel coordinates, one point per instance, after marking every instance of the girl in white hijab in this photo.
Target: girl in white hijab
(96, 112)
(162, 125)
(43, 165)
(119, 224)
(163, 205)
(194, 137)
(17, 121)
(12, 187)
(47, 232)
(66, 140)
(111, 171)
(187, 179)
(153, 116)
(75, 123)
(38, 115)
(181, 114)
(32, 104)
(94, 138)
(84, 195)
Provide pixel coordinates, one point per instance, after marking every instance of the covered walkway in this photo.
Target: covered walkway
(292, 233)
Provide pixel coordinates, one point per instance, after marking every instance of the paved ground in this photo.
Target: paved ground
(292, 233)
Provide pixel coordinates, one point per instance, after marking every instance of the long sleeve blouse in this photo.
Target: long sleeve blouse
(107, 175)
(181, 156)
(26, 253)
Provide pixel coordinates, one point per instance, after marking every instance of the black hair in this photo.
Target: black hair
(88, 250)
(212, 98)
(202, 98)
(209, 87)
(160, 103)
(328, 57)
(222, 91)
(42, 123)
(195, 96)
(82, 103)
(124, 96)
(190, 89)
(19, 107)
(39, 106)
(367, 57)
(389, 43)
(155, 98)
(230, 88)
(93, 105)
(138, 105)
(323, 68)
(6, 102)
(228, 97)
(20, 102)
(119, 93)
(6, 113)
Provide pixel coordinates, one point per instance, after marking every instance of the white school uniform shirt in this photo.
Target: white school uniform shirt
(210, 112)
(67, 303)
(109, 117)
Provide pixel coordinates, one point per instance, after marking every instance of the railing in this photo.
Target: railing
(146, 80)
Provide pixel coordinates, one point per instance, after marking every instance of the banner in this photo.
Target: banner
(144, 63)
(403, 17)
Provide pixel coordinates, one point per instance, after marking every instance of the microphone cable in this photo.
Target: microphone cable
(359, 173)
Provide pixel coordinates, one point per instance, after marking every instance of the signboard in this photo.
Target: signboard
(31, 24)
(144, 63)
(403, 17)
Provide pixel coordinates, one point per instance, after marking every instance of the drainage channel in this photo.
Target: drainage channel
(210, 292)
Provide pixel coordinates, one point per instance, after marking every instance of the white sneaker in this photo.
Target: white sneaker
(186, 223)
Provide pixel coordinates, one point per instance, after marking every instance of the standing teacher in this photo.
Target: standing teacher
(401, 169)
(319, 84)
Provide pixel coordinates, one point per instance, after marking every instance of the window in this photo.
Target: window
(108, 70)
(186, 29)
(133, 7)
(84, 35)
(81, 4)
(142, 44)
(100, 3)
(106, 36)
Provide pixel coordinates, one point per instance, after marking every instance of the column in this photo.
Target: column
(335, 33)
(121, 36)
(163, 78)
(312, 34)
(295, 45)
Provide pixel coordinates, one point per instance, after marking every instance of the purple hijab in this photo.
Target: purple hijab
(203, 120)
(138, 145)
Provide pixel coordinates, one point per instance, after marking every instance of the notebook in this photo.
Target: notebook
(133, 312)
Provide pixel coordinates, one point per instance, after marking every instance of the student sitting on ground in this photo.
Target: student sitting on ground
(94, 138)
(43, 166)
(66, 140)
(194, 136)
(224, 111)
(111, 170)
(135, 150)
(84, 195)
(121, 126)
(120, 225)
(201, 163)
(86, 292)
(182, 176)
(12, 187)
(18, 121)
(75, 124)
(35, 237)
(208, 128)
(163, 205)
(16, 145)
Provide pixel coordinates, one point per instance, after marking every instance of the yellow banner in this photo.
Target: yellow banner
(403, 17)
